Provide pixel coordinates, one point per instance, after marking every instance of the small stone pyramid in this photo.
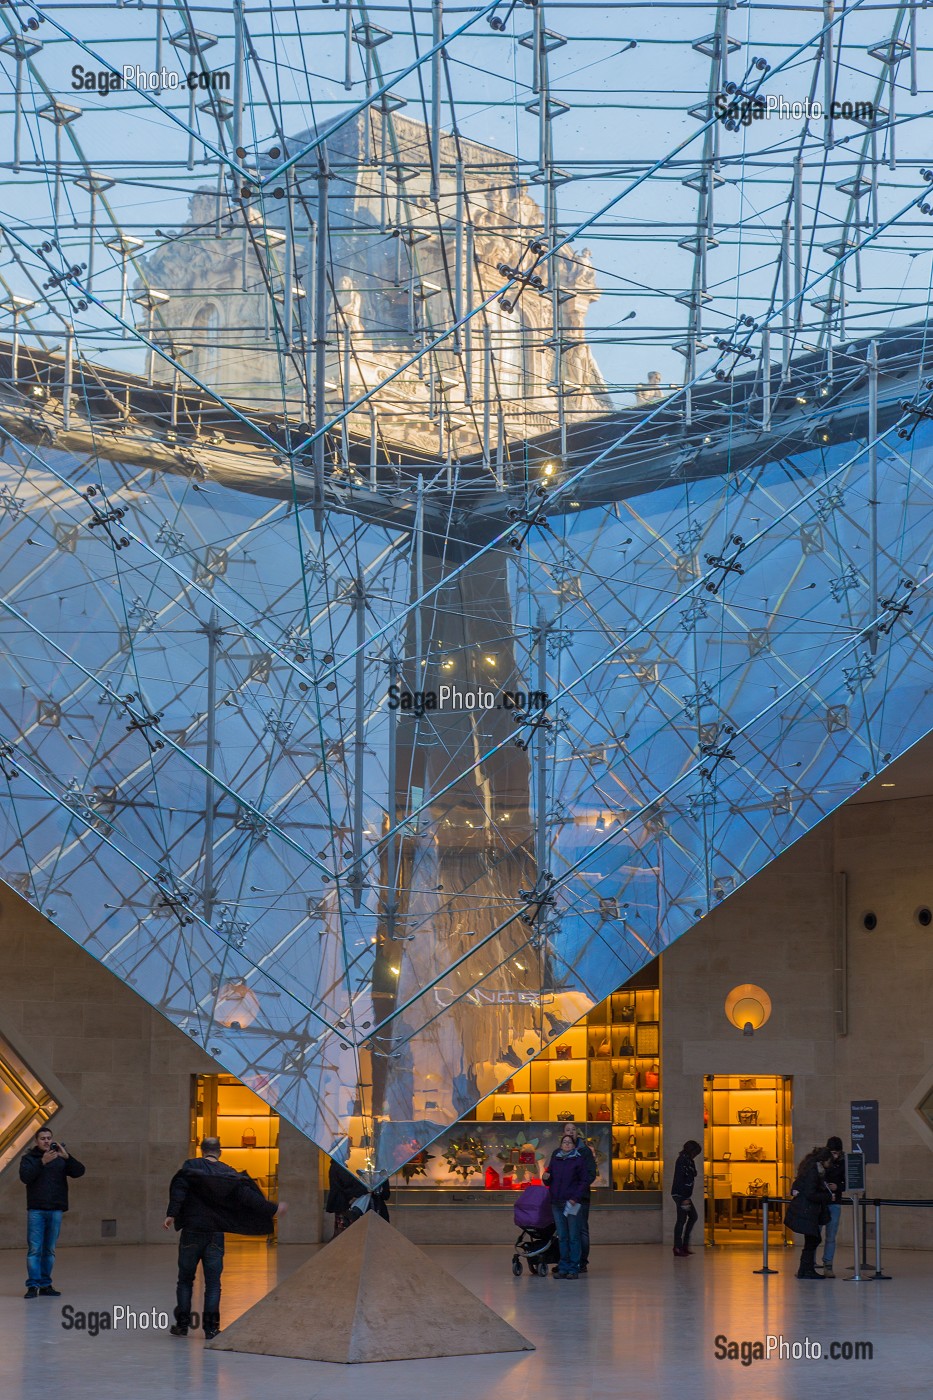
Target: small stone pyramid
(370, 1295)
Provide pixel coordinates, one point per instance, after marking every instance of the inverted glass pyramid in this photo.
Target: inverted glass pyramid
(375, 913)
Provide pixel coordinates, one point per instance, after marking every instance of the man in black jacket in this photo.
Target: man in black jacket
(45, 1169)
(207, 1198)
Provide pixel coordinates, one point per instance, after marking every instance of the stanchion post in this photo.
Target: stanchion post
(879, 1272)
(764, 1239)
(857, 1276)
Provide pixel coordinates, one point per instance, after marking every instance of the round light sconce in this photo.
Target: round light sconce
(748, 1007)
(237, 1006)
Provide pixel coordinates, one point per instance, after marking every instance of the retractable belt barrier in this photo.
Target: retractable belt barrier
(860, 1202)
(857, 1276)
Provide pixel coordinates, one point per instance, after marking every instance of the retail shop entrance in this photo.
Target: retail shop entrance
(747, 1153)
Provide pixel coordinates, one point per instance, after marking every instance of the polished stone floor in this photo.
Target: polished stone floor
(641, 1325)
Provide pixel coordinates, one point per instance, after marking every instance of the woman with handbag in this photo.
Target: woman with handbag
(567, 1182)
(685, 1171)
(808, 1211)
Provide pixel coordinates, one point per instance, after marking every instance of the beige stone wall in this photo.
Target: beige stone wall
(123, 1076)
(778, 931)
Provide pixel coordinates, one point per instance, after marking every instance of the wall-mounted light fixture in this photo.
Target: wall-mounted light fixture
(748, 1007)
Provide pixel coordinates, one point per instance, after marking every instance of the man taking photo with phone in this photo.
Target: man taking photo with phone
(45, 1169)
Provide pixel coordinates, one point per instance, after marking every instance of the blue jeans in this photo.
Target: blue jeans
(204, 1247)
(42, 1227)
(569, 1239)
(829, 1238)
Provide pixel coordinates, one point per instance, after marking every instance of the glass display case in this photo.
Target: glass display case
(747, 1153)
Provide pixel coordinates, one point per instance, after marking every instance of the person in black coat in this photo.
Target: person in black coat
(836, 1181)
(592, 1171)
(206, 1199)
(45, 1170)
(685, 1172)
(343, 1188)
(808, 1212)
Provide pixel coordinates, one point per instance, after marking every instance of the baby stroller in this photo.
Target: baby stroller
(537, 1242)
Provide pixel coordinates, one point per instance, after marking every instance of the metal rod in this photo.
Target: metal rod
(158, 37)
(766, 378)
(537, 27)
(912, 32)
(765, 1242)
(392, 809)
(359, 747)
(500, 449)
(487, 390)
(191, 120)
(798, 240)
(543, 104)
(238, 73)
(542, 853)
(320, 335)
(829, 11)
(69, 376)
(785, 297)
(419, 581)
(58, 188)
(289, 254)
(310, 330)
(213, 632)
(873, 493)
(856, 1242)
(348, 48)
(91, 232)
(456, 345)
(373, 448)
(437, 12)
(468, 328)
(879, 1274)
(17, 112)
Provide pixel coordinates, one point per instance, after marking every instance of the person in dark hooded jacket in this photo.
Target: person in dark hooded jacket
(685, 1173)
(206, 1199)
(808, 1211)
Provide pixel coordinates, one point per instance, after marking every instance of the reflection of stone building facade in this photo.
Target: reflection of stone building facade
(402, 269)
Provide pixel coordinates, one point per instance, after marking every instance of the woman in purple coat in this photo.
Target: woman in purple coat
(567, 1180)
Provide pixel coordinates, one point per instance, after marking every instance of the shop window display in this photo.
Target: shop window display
(247, 1127)
(747, 1152)
(603, 1074)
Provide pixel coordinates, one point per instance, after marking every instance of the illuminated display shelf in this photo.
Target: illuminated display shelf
(735, 1181)
(221, 1105)
(612, 1082)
